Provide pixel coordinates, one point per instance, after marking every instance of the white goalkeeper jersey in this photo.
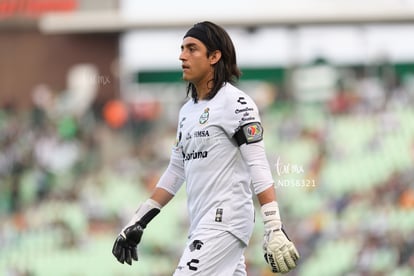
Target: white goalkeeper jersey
(218, 182)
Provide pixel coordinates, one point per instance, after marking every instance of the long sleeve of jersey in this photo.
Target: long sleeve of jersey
(173, 177)
(255, 157)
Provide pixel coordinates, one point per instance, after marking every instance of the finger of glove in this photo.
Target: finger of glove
(134, 254)
(128, 259)
(294, 252)
(289, 259)
(121, 256)
(269, 257)
(117, 251)
(281, 264)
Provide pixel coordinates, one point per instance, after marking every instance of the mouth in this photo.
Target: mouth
(185, 67)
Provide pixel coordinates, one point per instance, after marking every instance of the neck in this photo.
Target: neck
(202, 92)
(204, 87)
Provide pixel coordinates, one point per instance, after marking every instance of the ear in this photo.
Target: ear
(215, 57)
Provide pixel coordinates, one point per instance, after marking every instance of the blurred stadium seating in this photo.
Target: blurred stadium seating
(346, 191)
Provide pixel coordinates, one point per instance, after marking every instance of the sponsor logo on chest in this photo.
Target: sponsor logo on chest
(201, 133)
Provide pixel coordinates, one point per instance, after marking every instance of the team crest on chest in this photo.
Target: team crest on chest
(204, 116)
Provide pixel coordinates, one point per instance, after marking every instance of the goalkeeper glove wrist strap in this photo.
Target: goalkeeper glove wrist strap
(271, 215)
(145, 213)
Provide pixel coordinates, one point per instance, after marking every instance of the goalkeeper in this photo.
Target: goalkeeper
(219, 154)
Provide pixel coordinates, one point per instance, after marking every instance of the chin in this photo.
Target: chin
(186, 78)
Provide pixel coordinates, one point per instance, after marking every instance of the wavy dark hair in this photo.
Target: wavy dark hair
(226, 69)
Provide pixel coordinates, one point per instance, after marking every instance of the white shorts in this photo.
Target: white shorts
(212, 253)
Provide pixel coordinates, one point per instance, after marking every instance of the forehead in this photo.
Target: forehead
(188, 41)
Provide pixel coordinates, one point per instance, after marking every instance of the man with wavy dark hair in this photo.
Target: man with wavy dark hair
(225, 70)
(219, 154)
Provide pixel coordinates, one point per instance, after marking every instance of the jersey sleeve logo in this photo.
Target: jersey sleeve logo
(253, 132)
(241, 100)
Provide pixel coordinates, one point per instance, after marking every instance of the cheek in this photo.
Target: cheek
(203, 64)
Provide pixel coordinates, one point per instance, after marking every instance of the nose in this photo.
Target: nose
(181, 56)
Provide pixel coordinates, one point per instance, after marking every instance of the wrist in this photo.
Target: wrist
(145, 213)
(271, 215)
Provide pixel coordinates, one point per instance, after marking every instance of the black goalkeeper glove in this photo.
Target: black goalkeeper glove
(125, 246)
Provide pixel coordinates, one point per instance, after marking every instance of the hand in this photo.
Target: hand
(280, 252)
(125, 246)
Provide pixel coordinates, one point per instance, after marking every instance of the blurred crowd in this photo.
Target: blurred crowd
(342, 163)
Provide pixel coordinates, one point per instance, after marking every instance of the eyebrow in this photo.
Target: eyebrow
(191, 44)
